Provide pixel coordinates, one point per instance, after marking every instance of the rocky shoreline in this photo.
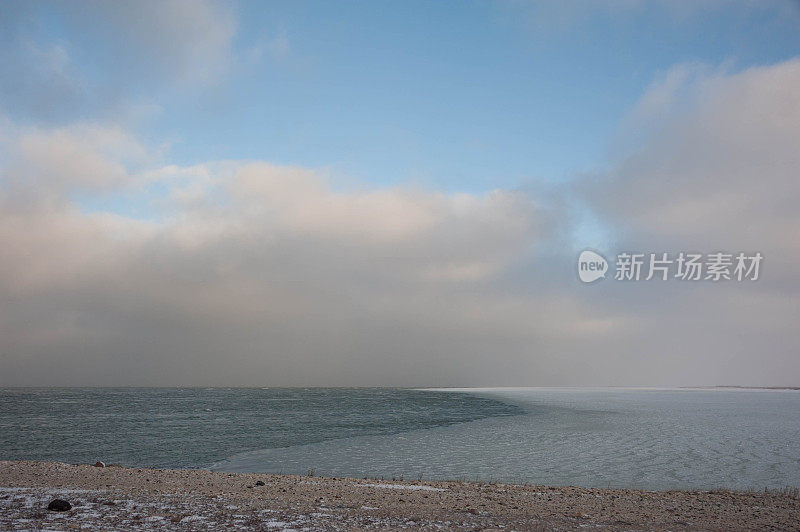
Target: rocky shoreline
(148, 499)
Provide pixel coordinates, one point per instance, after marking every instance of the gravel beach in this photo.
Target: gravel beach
(144, 499)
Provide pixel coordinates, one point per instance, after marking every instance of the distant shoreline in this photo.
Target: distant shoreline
(137, 498)
(762, 387)
(419, 388)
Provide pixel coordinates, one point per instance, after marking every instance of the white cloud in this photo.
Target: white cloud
(44, 163)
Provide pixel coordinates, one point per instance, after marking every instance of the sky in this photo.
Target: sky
(395, 193)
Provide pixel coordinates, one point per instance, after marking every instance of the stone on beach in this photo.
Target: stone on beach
(99, 464)
(59, 505)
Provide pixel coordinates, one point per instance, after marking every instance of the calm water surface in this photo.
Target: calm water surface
(655, 439)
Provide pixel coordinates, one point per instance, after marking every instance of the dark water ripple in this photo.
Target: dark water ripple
(193, 427)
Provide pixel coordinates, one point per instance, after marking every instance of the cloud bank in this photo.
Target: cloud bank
(118, 267)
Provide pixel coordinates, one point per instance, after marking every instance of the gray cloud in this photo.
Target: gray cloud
(716, 171)
(176, 40)
(139, 51)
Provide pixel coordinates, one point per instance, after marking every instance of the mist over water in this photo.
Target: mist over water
(637, 438)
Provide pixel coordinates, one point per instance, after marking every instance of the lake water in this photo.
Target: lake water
(644, 438)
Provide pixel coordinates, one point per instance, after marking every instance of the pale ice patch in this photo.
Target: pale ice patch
(402, 487)
(275, 523)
